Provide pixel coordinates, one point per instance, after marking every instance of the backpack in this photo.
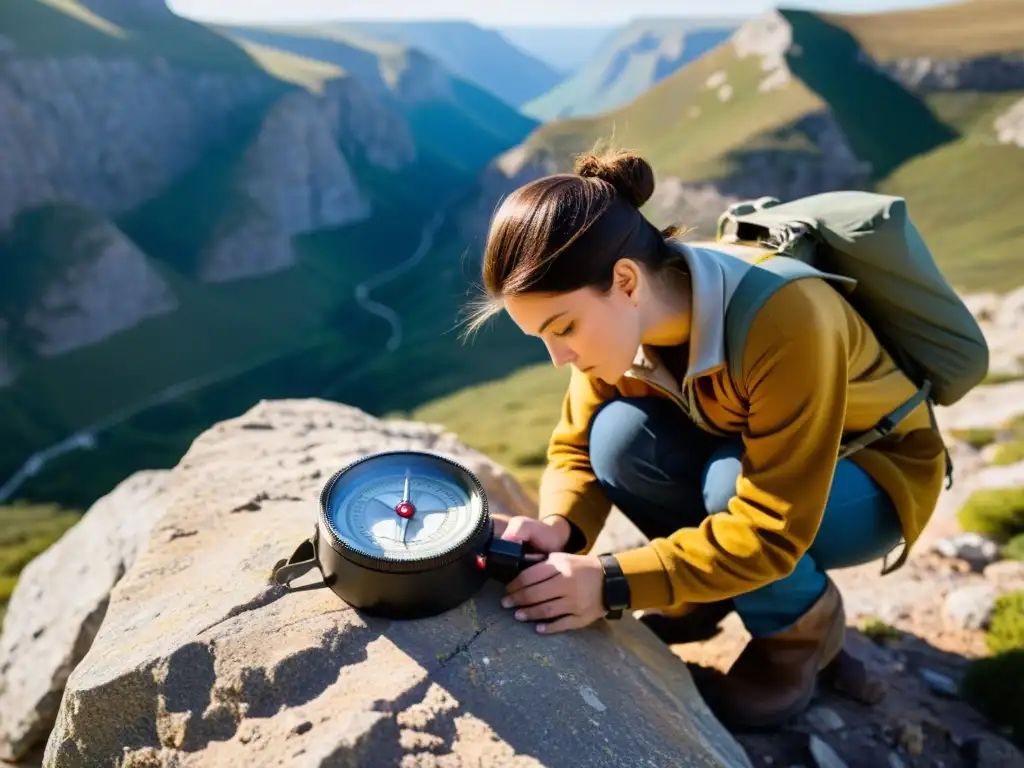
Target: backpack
(866, 246)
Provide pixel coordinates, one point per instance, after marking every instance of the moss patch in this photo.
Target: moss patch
(997, 513)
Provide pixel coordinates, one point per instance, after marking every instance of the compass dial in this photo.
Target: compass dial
(399, 513)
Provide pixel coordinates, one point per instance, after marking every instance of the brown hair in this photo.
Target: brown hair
(566, 231)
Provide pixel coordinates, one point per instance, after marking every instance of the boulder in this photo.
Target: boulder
(59, 603)
(201, 660)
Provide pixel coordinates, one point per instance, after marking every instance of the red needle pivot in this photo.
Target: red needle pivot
(405, 509)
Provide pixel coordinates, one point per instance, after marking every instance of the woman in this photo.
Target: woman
(734, 483)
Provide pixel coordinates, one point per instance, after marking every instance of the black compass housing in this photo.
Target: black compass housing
(402, 588)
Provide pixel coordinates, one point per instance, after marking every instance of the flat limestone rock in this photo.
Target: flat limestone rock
(58, 605)
(201, 661)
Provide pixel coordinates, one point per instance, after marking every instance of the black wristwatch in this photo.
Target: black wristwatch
(616, 587)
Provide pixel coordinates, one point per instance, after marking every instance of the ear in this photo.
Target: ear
(626, 278)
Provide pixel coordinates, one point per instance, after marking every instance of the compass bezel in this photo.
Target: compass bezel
(473, 543)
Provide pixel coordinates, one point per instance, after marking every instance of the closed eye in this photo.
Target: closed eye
(567, 330)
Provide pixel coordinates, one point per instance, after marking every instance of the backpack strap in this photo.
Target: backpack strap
(758, 284)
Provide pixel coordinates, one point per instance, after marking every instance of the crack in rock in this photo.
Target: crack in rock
(461, 648)
(269, 595)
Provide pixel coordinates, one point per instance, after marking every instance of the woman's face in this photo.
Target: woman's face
(596, 333)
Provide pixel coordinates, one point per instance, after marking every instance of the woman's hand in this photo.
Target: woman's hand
(563, 592)
(550, 536)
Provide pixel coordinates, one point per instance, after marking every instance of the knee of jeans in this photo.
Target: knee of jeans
(719, 478)
(620, 433)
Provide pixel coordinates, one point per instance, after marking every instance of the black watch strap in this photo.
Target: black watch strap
(616, 587)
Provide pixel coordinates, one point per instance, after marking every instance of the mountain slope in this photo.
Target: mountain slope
(451, 116)
(481, 56)
(184, 220)
(795, 103)
(636, 58)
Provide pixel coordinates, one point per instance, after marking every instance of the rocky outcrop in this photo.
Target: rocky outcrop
(925, 74)
(201, 661)
(59, 603)
(1009, 126)
(105, 285)
(769, 37)
(415, 78)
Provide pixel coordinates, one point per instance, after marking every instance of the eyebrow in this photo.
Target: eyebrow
(549, 321)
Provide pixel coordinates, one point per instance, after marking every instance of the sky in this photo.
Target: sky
(493, 13)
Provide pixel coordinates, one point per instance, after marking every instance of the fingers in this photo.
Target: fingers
(550, 610)
(540, 536)
(563, 624)
(529, 587)
(514, 529)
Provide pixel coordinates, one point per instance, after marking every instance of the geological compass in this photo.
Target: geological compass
(405, 534)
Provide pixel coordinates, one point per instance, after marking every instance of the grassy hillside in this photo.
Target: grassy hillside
(628, 64)
(702, 123)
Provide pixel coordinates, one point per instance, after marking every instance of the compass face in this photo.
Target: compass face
(402, 509)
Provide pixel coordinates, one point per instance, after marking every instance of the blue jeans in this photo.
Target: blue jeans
(665, 473)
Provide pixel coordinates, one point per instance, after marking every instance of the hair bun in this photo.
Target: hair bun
(630, 174)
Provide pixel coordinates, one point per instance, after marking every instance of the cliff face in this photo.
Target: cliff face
(112, 132)
(115, 129)
(107, 286)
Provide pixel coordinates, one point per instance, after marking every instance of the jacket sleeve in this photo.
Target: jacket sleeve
(795, 380)
(568, 486)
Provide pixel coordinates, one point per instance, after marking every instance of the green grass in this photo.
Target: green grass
(25, 532)
(997, 513)
(879, 632)
(976, 437)
(1009, 453)
(954, 30)
(965, 198)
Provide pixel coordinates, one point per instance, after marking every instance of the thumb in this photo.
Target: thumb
(516, 529)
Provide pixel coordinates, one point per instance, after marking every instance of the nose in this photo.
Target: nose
(560, 354)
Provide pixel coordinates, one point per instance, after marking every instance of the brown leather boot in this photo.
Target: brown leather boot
(775, 677)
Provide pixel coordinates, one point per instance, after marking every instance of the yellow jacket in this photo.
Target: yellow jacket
(813, 370)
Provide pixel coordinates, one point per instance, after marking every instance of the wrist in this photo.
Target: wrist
(561, 525)
(615, 593)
